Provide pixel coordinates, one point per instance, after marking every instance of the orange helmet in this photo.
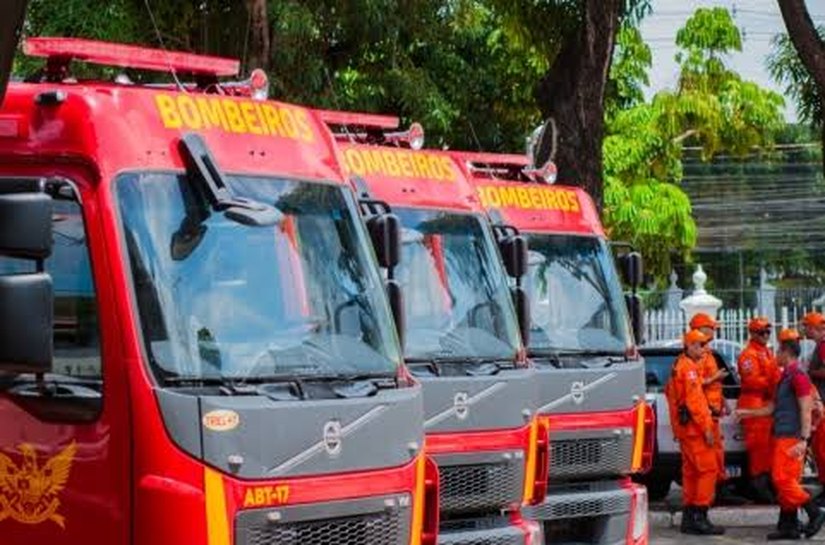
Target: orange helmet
(789, 335)
(703, 320)
(760, 323)
(695, 336)
(813, 319)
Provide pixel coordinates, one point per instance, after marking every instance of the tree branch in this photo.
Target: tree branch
(685, 135)
(11, 16)
(805, 39)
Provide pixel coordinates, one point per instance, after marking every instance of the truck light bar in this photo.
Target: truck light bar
(516, 167)
(378, 128)
(376, 121)
(130, 56)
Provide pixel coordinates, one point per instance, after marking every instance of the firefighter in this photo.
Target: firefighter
(814, 324)
(792, 409)
(759, 374)
(693, 427)
(712, 379)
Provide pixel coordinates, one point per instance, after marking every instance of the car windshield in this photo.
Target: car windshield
(576, 302)
(457, 303)
(218, 299)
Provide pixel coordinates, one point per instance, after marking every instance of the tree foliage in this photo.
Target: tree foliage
(787, 69)
(712, 107)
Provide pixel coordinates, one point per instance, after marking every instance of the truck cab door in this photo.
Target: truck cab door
(11, 23)
(64, 435)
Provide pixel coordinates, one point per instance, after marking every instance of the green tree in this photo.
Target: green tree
(711, 107)
(809, 44)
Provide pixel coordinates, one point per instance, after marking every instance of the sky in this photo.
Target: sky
(759, 19)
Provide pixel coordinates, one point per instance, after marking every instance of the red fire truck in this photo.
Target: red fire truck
(591, 380)
(460, 330)
(196, 345)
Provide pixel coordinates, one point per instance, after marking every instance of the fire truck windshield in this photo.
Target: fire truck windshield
(221, 300)
(457, 302)
(576, 302)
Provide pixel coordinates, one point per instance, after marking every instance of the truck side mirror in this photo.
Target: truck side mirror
(514, 255)
(396, 297)
(385, 233)
(635, 308)
(27, 315)
(633, 269)
(522, 305)
(26, 300)
(25, 225)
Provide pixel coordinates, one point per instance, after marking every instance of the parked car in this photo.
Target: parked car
(667, 460)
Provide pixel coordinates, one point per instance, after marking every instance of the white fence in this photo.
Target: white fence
(666, 325)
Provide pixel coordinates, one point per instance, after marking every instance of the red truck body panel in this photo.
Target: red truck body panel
(124, 469)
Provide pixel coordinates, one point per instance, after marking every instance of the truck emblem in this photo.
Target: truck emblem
(221, 420)
(461, 405)
(29, 493)
(332, 437)
(577, 392)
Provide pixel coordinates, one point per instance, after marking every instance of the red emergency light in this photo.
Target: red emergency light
(130, 56)
(331, 117)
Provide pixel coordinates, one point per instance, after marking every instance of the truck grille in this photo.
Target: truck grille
(480, 531)
(478, 487)
(582, 458)
(581, 500)
(372, 529)
(382, 520)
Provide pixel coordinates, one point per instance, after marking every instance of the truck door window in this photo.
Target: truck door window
(72, 391)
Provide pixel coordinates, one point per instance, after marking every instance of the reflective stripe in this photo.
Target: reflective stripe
(217, 523)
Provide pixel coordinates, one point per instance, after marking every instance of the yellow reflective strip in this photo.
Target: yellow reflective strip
(530, 466)
(418, 501)
(639, 440)
(217, 523)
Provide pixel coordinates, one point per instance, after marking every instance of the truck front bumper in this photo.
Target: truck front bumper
(598, 513)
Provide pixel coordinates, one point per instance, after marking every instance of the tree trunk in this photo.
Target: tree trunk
(809, 47)
(572, 93)
(259, 46)
(11, 21)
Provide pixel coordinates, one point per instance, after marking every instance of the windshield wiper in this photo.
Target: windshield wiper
(278, 388)
(556, 355)
(470, 365)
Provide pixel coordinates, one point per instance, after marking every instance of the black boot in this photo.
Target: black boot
(707, 526)
(816, 518)
(820, 499)
(688, 519)
(763, 489)
(787, 527)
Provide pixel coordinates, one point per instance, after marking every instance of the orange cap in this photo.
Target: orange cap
(789, 335)
(695, 336)
(813, 319)
(703, 320)
(760, 323)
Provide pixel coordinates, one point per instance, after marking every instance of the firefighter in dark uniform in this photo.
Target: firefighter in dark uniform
(792, 409)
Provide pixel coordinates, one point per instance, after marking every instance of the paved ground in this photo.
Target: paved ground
(747, 525)
(745, 536)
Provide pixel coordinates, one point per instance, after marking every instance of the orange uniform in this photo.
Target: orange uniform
(759, 374)
(716, 402)
(699, 466)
